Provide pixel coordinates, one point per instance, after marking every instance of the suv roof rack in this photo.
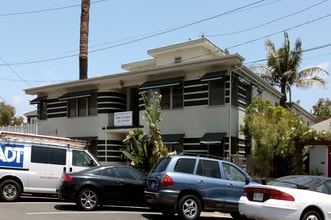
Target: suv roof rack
(201, 155)
(41, 139)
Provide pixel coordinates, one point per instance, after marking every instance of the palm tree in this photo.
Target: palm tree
(282, 69)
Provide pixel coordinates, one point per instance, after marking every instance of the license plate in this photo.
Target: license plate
(258, 196)
(152, 185)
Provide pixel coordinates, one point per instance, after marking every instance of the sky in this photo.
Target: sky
(39, 40)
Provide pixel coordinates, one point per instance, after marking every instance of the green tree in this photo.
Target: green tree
(275, 131)
(322, 109)
(282, 69)
(146, 149)
(7, 115)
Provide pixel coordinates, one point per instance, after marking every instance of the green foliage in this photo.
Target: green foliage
(7, 113)
(275, 131)
(322, 109)
(145, 149)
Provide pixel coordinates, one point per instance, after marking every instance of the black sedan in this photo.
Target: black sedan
(113, 185)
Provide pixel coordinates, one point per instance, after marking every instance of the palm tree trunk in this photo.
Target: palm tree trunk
(84, 31)
(282, 101)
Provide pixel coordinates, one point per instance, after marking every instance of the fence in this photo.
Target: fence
(28, 129)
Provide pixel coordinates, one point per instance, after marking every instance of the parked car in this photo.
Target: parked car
(189, 184)
(299, 197)
(114, 184)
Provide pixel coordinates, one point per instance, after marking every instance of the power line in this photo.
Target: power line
(46, 10)
(267, 23)
(142, 38)
(287, 29)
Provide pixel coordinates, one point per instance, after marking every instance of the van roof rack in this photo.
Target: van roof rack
(41, 139)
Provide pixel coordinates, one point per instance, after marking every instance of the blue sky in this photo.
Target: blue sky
(39, 41)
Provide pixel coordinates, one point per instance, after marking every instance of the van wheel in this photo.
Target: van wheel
(87, 199)
(189, 207)
(10, 190)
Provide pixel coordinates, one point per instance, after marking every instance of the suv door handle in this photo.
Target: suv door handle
(230, 185)
(201, 182)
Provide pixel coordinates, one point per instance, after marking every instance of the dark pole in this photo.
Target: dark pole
(83, 47)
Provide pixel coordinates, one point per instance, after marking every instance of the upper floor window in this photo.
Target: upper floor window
(43, 110)
(216, 92)
(171, 90)
(80, 104)
(85, 106)
(172, 97)
(216, 82)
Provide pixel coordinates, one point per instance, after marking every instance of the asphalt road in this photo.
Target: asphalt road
(53, 209)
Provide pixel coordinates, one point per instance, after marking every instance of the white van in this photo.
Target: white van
(34, 163)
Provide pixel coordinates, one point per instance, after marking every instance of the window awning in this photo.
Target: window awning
(171, 139)
(76, 95)
(37, 100)
(161, 83)
(213, 76)
(213, 138)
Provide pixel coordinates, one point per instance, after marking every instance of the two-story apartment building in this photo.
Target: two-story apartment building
(204, 89)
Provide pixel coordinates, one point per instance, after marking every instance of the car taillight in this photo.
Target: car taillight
(265, 194)
(167, 181)
(66, 178)
(275, 194)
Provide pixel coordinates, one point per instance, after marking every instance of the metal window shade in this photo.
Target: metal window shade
(161, 83)
(38, 99)
(213, 76)
(171, 139)
(213, 138)
(76, 95)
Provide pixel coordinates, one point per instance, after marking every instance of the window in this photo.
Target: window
(209, 168)
(48, 155)
(81, 158)
(216, 92)
(185, 166)
(172, 97)
(233, 173)
(85, 106)
(42, 110)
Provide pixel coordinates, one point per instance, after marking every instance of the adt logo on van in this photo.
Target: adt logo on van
(11, 155)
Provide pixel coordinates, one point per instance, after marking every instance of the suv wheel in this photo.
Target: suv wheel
(189, 207)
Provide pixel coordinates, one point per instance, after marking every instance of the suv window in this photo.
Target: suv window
(208, 168)
(233, 173)
(162, 164)
(185, 165)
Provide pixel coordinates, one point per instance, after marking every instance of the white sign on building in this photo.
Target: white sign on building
(123, 119)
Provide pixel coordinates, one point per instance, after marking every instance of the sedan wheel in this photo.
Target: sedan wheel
(311, 215)
(189, 207)
(87, 199)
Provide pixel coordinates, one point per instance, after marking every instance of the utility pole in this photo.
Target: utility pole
(84, 31)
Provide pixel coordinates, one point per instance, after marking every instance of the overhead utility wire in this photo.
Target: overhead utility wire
(287, 29)
(267, 23)
(140, 39)
(46, 10)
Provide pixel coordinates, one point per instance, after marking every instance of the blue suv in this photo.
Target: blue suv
(190, 184)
